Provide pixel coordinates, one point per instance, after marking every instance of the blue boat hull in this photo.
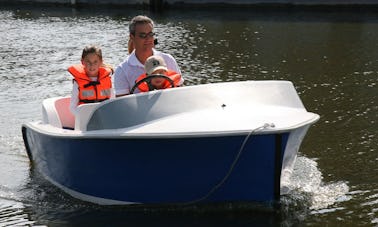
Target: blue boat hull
(162, 170)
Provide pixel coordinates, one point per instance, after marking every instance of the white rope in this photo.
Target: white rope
(213, 189)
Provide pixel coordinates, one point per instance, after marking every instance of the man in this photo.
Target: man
(142, 38)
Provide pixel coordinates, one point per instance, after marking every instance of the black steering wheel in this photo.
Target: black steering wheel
(147, 79)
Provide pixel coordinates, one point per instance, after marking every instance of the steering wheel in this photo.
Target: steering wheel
(147, 79)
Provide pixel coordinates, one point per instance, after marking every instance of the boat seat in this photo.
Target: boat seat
(67, 119)
(84, 113)
(56, 112)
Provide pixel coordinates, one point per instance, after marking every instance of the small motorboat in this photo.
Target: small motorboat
(219, 142)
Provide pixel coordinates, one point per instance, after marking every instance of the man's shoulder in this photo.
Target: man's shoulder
(163, 54)
(125, 62)
(167, 57)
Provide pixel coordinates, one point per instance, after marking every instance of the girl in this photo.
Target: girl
(92, 82)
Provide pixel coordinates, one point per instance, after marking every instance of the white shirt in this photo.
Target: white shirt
(129, 70)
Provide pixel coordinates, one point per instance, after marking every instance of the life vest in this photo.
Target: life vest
(174, 76)
(92, 91)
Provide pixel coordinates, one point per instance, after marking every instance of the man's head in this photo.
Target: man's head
(141, 33)
(139, 20)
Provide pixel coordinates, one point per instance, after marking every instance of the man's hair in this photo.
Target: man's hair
(139, 20)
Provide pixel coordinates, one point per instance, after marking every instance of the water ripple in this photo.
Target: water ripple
(331, 64)
(13, 214)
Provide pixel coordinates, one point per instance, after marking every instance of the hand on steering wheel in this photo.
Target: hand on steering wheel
(147, 79)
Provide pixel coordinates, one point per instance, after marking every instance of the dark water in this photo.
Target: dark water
(331, 57)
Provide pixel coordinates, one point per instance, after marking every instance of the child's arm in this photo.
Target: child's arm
(74, 98)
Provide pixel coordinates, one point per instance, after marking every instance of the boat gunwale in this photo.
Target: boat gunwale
(121, 134)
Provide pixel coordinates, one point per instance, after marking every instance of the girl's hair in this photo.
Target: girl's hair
(91, 49)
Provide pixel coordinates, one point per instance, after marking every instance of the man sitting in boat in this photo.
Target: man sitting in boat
(157, 75)
(142, 46)
(92, 82)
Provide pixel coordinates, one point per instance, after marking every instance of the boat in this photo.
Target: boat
(207, 143)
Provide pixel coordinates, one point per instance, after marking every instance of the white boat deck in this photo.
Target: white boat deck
(208, 109)
(226, 121)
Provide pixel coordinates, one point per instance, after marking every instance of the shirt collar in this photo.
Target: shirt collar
(134, 60)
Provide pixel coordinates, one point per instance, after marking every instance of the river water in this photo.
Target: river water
(331, 57)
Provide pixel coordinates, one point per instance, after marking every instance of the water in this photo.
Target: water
(330, 56)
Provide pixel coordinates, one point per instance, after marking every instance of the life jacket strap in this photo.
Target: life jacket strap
(92, 83)
(91, 101)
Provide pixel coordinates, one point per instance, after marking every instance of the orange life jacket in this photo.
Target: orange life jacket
(92, 91)
(174, 76)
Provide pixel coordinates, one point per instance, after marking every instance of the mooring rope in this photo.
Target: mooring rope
(232, 166)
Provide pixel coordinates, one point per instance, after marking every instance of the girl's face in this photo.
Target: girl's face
(92, 62)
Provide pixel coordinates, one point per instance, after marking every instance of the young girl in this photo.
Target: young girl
(92, 82)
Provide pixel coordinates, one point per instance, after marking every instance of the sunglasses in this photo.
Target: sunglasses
(145, 35)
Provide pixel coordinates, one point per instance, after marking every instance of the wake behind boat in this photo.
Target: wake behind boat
(221, 142)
